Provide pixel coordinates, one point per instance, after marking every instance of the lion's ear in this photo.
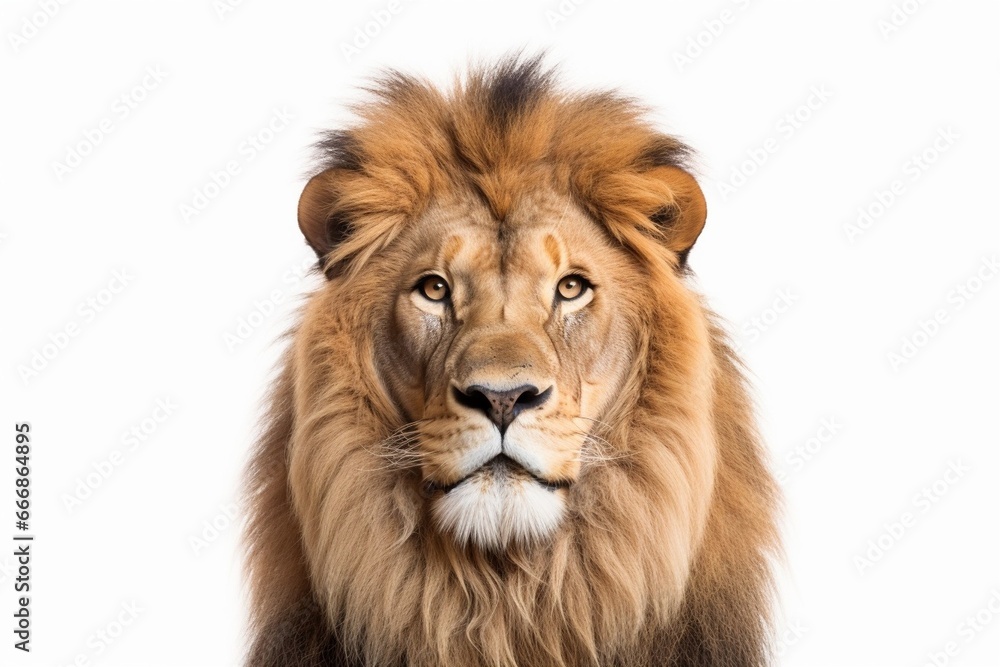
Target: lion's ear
(683, 218)
(318, 217)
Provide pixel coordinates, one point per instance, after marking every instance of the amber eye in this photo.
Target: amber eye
(434, 288)
(572, 287)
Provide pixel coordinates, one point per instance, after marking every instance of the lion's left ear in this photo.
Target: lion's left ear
(682, 218)
(319, 220)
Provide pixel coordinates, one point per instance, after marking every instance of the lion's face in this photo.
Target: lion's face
(504, 346)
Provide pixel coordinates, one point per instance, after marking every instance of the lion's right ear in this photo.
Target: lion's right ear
(319, 221)
(684, 217)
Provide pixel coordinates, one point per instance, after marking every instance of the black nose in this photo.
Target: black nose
(502, 407)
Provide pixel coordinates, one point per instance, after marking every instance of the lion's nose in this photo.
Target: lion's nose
(501, 406)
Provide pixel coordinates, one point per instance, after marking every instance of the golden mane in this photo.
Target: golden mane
(665, 559)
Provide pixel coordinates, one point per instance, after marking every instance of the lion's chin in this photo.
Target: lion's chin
(497, 506)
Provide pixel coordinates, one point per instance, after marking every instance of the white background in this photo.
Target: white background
(818, 309)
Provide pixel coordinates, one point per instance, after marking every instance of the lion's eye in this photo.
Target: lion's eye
(434, 288)
(572, 287)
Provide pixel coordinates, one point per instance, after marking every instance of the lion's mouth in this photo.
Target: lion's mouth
(501, 467)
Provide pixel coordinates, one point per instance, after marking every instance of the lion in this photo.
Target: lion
(507, 430)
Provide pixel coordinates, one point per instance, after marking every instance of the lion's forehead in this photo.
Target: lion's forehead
(540, 237)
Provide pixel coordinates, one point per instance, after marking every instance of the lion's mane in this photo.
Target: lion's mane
(665, 557)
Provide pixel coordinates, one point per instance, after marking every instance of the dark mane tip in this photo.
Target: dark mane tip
(338, 149)
(514, 85)
(666, 152)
